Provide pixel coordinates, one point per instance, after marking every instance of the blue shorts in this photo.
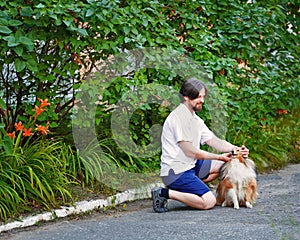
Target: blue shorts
(190, 181)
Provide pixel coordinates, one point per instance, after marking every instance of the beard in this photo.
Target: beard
(197, 107)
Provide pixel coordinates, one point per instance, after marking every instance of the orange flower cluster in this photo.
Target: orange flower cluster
(282, 111)
(43, 130)
(39, 109)
(19, 127)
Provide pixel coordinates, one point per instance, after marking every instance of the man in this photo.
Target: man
(185, 168)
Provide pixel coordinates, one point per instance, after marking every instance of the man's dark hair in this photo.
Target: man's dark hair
(191, 88)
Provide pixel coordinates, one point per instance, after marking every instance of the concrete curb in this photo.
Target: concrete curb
(82, 207)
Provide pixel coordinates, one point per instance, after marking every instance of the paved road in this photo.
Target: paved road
(276, 215)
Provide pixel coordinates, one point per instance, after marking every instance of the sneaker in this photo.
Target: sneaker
(159, 203)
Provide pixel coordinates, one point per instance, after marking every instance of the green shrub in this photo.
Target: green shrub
(272, 144)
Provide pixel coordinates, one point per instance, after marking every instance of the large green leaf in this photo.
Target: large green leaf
(19, 65)
(11, 41)
(32, 65)
(26, 11)
(4, 29)
(26, 41)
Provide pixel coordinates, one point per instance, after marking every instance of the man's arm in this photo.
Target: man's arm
(220, 145)
(224, 146)
(190, 151)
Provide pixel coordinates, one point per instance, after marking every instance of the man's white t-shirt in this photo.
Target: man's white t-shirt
(181, 125)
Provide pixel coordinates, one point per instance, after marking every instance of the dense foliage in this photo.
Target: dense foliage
(49, 47)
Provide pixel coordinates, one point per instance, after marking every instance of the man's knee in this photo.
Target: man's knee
(209, 200)
(215, 166)
(210, 204)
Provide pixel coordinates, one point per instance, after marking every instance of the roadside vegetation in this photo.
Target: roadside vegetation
(50, 48)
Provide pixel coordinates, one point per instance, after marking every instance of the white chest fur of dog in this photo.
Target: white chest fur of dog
(238, 185)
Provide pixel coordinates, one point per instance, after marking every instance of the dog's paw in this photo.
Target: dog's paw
(224, 204)
(249, 205)
(236, 204)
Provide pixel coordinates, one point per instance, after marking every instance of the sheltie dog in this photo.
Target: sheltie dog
(237, 186)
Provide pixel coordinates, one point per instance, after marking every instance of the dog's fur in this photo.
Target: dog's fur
(238, 185)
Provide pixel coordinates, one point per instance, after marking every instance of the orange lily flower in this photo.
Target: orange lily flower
(19, 126)
(44, 103)
(11, 135)
(27, 132)
(43, 129)
(38, 111)
(282, 111)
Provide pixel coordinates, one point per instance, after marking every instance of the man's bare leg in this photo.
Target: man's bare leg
(206, 201)
(214, 171)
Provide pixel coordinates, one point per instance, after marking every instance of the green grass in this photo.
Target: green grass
(33, 176)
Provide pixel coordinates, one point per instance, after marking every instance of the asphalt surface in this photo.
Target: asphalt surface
(276, 215)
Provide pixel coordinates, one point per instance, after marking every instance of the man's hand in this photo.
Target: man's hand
(244, 151)
(225, 157)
